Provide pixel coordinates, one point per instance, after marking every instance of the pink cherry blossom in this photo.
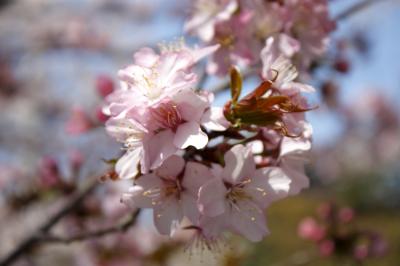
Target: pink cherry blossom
(171, 191)
(156, 112)
(236, 197)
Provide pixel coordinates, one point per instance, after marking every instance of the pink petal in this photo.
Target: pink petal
(171, 167)
(191, 106)
(189, 207)
(294, 169)
(127, 165)
(167, 216)
(268, 184)
(212, 198)
(239, 164)
(157, 149)
(212, 227)
(214, 119)
(190, 134)
(142, 195)
(195, 176)
(145, 57)
(248, 220)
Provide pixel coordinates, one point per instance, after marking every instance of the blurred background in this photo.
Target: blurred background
(58, 58)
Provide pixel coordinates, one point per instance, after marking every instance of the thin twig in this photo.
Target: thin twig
(356, 8)
(119, 228)
(34, 239)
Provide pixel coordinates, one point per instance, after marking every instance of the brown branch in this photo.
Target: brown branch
(34, 239)
(119, 228)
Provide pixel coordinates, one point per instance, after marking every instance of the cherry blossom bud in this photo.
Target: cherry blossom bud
(100, 115)
(49, 172)
(311, 230)
(104, 85)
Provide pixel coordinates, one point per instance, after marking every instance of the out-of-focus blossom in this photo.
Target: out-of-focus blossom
(104, 85)
(335, 234)
(49, 172)
(301, 28)
(206, 14)
(311, 230)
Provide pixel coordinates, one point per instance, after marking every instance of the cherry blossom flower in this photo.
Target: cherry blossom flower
(171, 191)
(156, 112)
(236, 197)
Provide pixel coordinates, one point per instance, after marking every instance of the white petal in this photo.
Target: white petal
(190, 134)
(214, 119)
(127, 165)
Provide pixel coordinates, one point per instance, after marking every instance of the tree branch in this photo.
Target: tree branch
(119, 228)
(34, 239)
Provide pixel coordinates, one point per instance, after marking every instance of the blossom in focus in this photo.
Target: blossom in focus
(171, 191)
(236, 197)
(156, 112)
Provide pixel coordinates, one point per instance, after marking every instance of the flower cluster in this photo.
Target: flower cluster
(173, 149)
(335, 234)
(241, 27)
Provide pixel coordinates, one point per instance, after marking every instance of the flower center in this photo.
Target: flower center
(166, 116)
(237, 193)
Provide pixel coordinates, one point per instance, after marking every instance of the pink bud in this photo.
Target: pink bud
(326, 248)
(346, 215)
(78, 122)
(101, 117)
(104, 85)
(311, 230)
(49, 171)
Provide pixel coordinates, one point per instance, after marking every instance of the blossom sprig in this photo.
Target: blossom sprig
(165, 124)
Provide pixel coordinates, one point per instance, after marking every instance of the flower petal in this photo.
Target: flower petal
(214, 119)
(191, 106)
(171, 167)
(190, 134)
(239, 164)
(248, 220)
(195, 176)
(157, 149)
(127, 165)
(212, 198)
(145, 193)
(167, 216)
